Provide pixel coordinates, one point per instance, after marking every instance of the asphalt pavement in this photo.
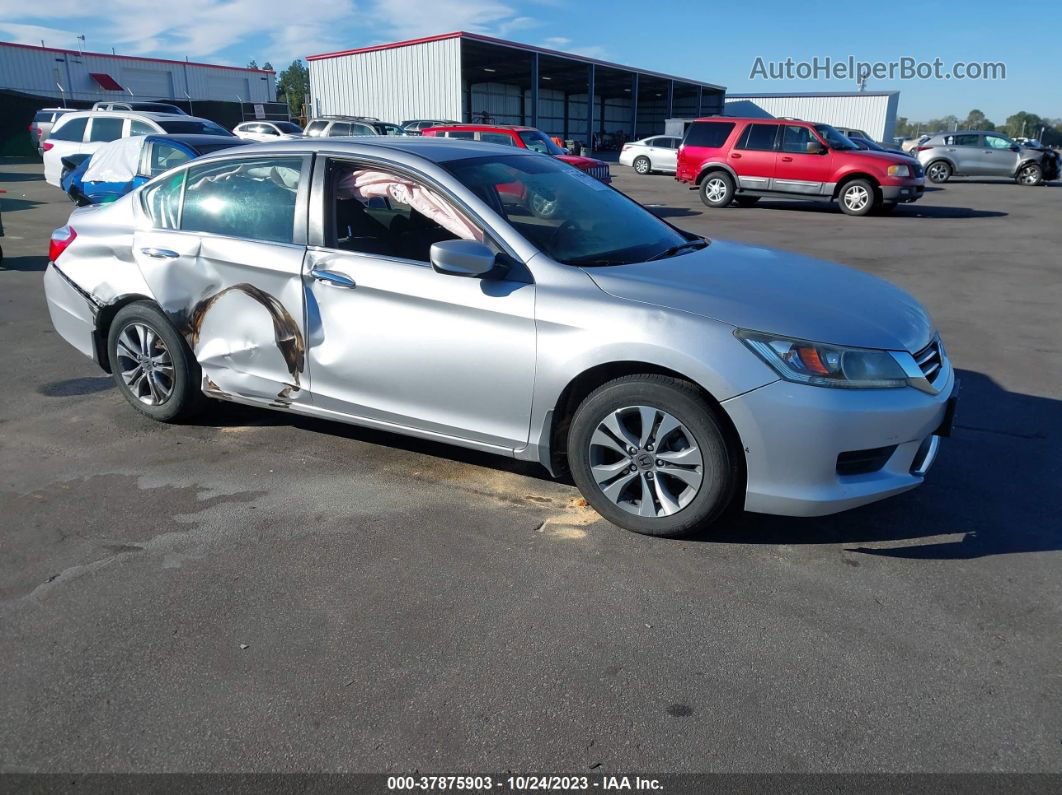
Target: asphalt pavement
(260, 591)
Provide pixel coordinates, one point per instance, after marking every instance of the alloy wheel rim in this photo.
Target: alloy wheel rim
(937, 172)
(1029, 175)
(145, 364)
(716, 190)
(856, 197)
(645, 461)
(641, 167)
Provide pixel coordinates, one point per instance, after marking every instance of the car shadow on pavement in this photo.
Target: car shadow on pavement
(661, 211)
(903, 211)
(27, 262)
(10, 205)
(994, 490)
(7, 177)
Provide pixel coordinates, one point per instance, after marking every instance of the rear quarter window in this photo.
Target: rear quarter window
(73, 130)
(708, 133)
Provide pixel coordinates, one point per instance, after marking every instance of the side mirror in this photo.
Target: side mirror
(815, 148)
(461, 258)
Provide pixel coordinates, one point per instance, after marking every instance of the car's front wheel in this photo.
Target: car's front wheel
(152, 365)
(642, 165)
(1030, 174)
(648, 454)
(857, 197)
(717, 189)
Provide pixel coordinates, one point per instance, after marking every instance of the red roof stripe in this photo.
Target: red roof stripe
(135, 58)
(393, 45)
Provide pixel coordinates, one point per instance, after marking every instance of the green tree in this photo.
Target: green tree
(253, 64)
(267, 66)
(1023, 124)
(976, 120)
(293, 86)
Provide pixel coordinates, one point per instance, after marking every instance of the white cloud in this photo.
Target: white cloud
(33, 34)
(408, 19)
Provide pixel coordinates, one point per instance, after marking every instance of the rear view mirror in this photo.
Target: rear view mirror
(461, 258)
(815, 148)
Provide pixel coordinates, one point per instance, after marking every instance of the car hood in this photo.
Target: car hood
(764, 289)
(884, 159)
(580, 162)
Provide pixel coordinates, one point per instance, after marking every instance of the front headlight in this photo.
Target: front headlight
(899, 171)
(818, 364)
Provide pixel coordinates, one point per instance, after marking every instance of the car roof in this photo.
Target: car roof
(758, 120)
(194, 140)
(136, 114)
(484, 127)
(436, 150)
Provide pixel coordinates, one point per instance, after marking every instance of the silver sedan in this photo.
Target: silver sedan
(410, 285)
(659, 153)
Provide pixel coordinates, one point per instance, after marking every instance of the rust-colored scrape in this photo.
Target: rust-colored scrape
(285, 330)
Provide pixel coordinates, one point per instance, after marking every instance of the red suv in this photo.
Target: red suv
(523, 138)
(743, 160)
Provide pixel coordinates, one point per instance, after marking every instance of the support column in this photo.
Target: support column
(591, 74)
(669, 110)
(534, 89)
(700, 101)
(634, 107)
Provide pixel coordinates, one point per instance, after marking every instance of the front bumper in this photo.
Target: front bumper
(73, 313)
(903, 193)
(793, 435)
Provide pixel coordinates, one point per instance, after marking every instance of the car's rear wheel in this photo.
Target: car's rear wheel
(1030, 174)
(152, 364)
(746, 201)
(648, 454)
(642, 165)
(938, 171)
(857, 197)
(717, 189)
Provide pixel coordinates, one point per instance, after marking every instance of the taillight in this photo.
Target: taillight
(47, 145)
(922, 148)
(61, 238)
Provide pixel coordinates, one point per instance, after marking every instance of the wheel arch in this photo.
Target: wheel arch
(708, 168)
(579, 387)
(853, 175)
(104, 319)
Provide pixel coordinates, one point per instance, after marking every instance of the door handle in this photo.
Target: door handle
(787, 159)
(331, 277)
(159, 253)
(735, 155)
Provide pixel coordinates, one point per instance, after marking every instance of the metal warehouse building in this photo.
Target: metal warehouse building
(873, 112)
(90, 76)
(464, 76)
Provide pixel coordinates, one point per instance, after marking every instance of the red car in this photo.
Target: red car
(743, 160)
(523, 138)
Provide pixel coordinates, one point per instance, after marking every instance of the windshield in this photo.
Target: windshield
(537, 140)
(834, 138)
(288, 127)
(568, 215)
(193, 126)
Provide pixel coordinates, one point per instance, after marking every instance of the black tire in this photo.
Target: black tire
(184, 397)
(746, 201)
(642, 165)
(698, 427)
(939, 171)
(1030, 174)
(857, 197)
(717, 189)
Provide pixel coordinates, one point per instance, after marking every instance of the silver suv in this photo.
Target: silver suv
(976, 153)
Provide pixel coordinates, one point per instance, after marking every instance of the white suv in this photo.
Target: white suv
(267, 130)
(86, 131)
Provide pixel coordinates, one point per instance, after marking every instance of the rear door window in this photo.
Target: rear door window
(106, 128)
(497, 138)
(73, 130)
(712, 134)
(961, 140)
(137, 127)
(340, 128)
(252, 199)
(464, 135)
(759, 137)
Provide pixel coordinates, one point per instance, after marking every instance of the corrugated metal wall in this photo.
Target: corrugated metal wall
(33, 70)
(872, 113)
(421, 81)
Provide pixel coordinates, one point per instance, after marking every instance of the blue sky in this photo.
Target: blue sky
(711, 41)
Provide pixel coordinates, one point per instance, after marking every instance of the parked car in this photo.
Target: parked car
(977, 153)
(742, 160)
(42, 123)
(415, 126)
(852, 132)
(909, 144)
(84, 132)
(671, 374)
(874, 146)
(521, 138)
(127, 163)
(267, 130)
(149, 107)
(658, 153)
(341, 126)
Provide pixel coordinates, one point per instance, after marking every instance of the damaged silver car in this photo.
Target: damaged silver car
(504, 301)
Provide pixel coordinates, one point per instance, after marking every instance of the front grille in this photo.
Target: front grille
(931, 360)
(863, 462)
(599, 172)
